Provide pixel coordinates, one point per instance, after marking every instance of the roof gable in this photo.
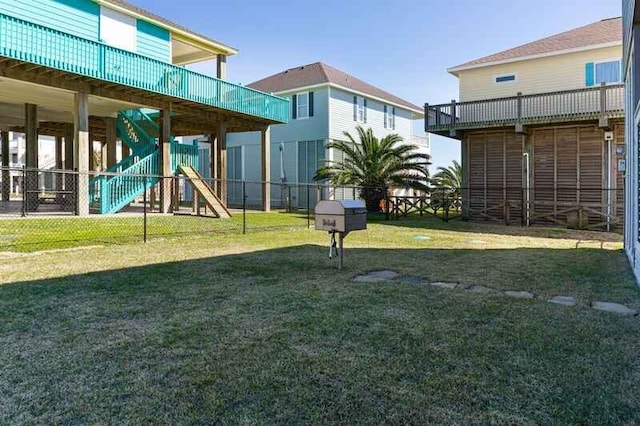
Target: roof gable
(319, 73)
(606, 31)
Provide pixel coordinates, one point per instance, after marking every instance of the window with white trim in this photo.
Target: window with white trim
(608, 72)
(302, 105)
(507, 78)
(359, 109)
(389, 117)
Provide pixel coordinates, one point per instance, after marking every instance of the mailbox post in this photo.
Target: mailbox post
(340, 217)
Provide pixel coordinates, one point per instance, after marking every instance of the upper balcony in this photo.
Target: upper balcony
(35, 44)
(595, 103)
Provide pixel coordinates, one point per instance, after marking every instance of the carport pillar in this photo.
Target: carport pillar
(221, 160)
(69, 179)
(221, 67)
(124, 150)
(265, 145)
(111, 137)
(31, 136)
(6, 174)
(165, 155)
(82, 150)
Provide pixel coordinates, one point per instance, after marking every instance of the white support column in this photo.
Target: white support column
(221, 67)
(265, 145)
(81, 147)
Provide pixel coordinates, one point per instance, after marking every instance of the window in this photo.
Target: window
(311, 155)
(117, 29)
(608, 72)
(302, 104)
(359, 109)
(505, 78)
(389, 117)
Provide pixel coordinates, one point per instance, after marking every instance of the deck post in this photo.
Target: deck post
(426, 117)
(221, 160)
(124, 150)
(82, 150)
(265, 145)
(31, 129)
(111, 137)
(165, 153)
(6, 174)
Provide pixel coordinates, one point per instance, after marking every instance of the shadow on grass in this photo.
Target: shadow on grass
(282, 336)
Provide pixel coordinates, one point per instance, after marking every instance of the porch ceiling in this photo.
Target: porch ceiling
(54, 105)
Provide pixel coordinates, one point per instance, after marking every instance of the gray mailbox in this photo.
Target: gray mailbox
(340, 217)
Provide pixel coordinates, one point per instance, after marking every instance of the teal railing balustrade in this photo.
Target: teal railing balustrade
(36, 44)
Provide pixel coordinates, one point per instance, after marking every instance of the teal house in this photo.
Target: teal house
(106, 72)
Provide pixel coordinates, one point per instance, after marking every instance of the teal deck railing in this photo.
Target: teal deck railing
(184, 155)
(36, 44)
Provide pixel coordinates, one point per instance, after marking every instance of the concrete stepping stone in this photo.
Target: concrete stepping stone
(479, 289)
(616, 308)
(412, 280)
(563, 300)
(519, 294)
(444, 285)
(376, 277)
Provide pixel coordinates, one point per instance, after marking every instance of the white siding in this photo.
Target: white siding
(341, 117)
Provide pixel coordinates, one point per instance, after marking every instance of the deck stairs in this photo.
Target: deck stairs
(203, 190)
(141, 170)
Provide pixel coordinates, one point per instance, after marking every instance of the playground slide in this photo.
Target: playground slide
(201, 187)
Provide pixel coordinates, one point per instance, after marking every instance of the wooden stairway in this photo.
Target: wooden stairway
(200, 186)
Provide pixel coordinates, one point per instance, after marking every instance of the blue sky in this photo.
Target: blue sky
(402, 46)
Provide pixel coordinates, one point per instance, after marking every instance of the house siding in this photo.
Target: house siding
(153, 41)
(341, 119)
(550, 74)
(77, 17)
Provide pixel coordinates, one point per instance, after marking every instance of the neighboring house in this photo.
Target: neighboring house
(105, 70)
(325, 102)
(542, 130)
(631, 70)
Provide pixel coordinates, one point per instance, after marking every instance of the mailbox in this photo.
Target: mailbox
(341, 216)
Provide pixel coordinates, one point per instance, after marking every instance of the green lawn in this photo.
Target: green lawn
(262, 328)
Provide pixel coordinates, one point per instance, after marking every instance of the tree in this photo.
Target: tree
(447, 186)
(449, 177)
(375, 165)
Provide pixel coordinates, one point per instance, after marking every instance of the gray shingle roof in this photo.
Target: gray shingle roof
(319, 73)
(601, 32)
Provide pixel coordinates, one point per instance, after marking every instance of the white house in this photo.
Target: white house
(325, 102)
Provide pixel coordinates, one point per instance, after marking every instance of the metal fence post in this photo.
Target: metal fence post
(24, 191)
(308, 209)
(244, 207)
(144, 209)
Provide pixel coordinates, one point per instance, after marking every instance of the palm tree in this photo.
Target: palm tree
(447, 186)
(375, 165)
(449, 177)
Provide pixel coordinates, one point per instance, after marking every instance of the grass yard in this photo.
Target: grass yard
(262, 328)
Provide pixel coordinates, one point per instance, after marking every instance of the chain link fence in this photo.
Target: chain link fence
(41, 209)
